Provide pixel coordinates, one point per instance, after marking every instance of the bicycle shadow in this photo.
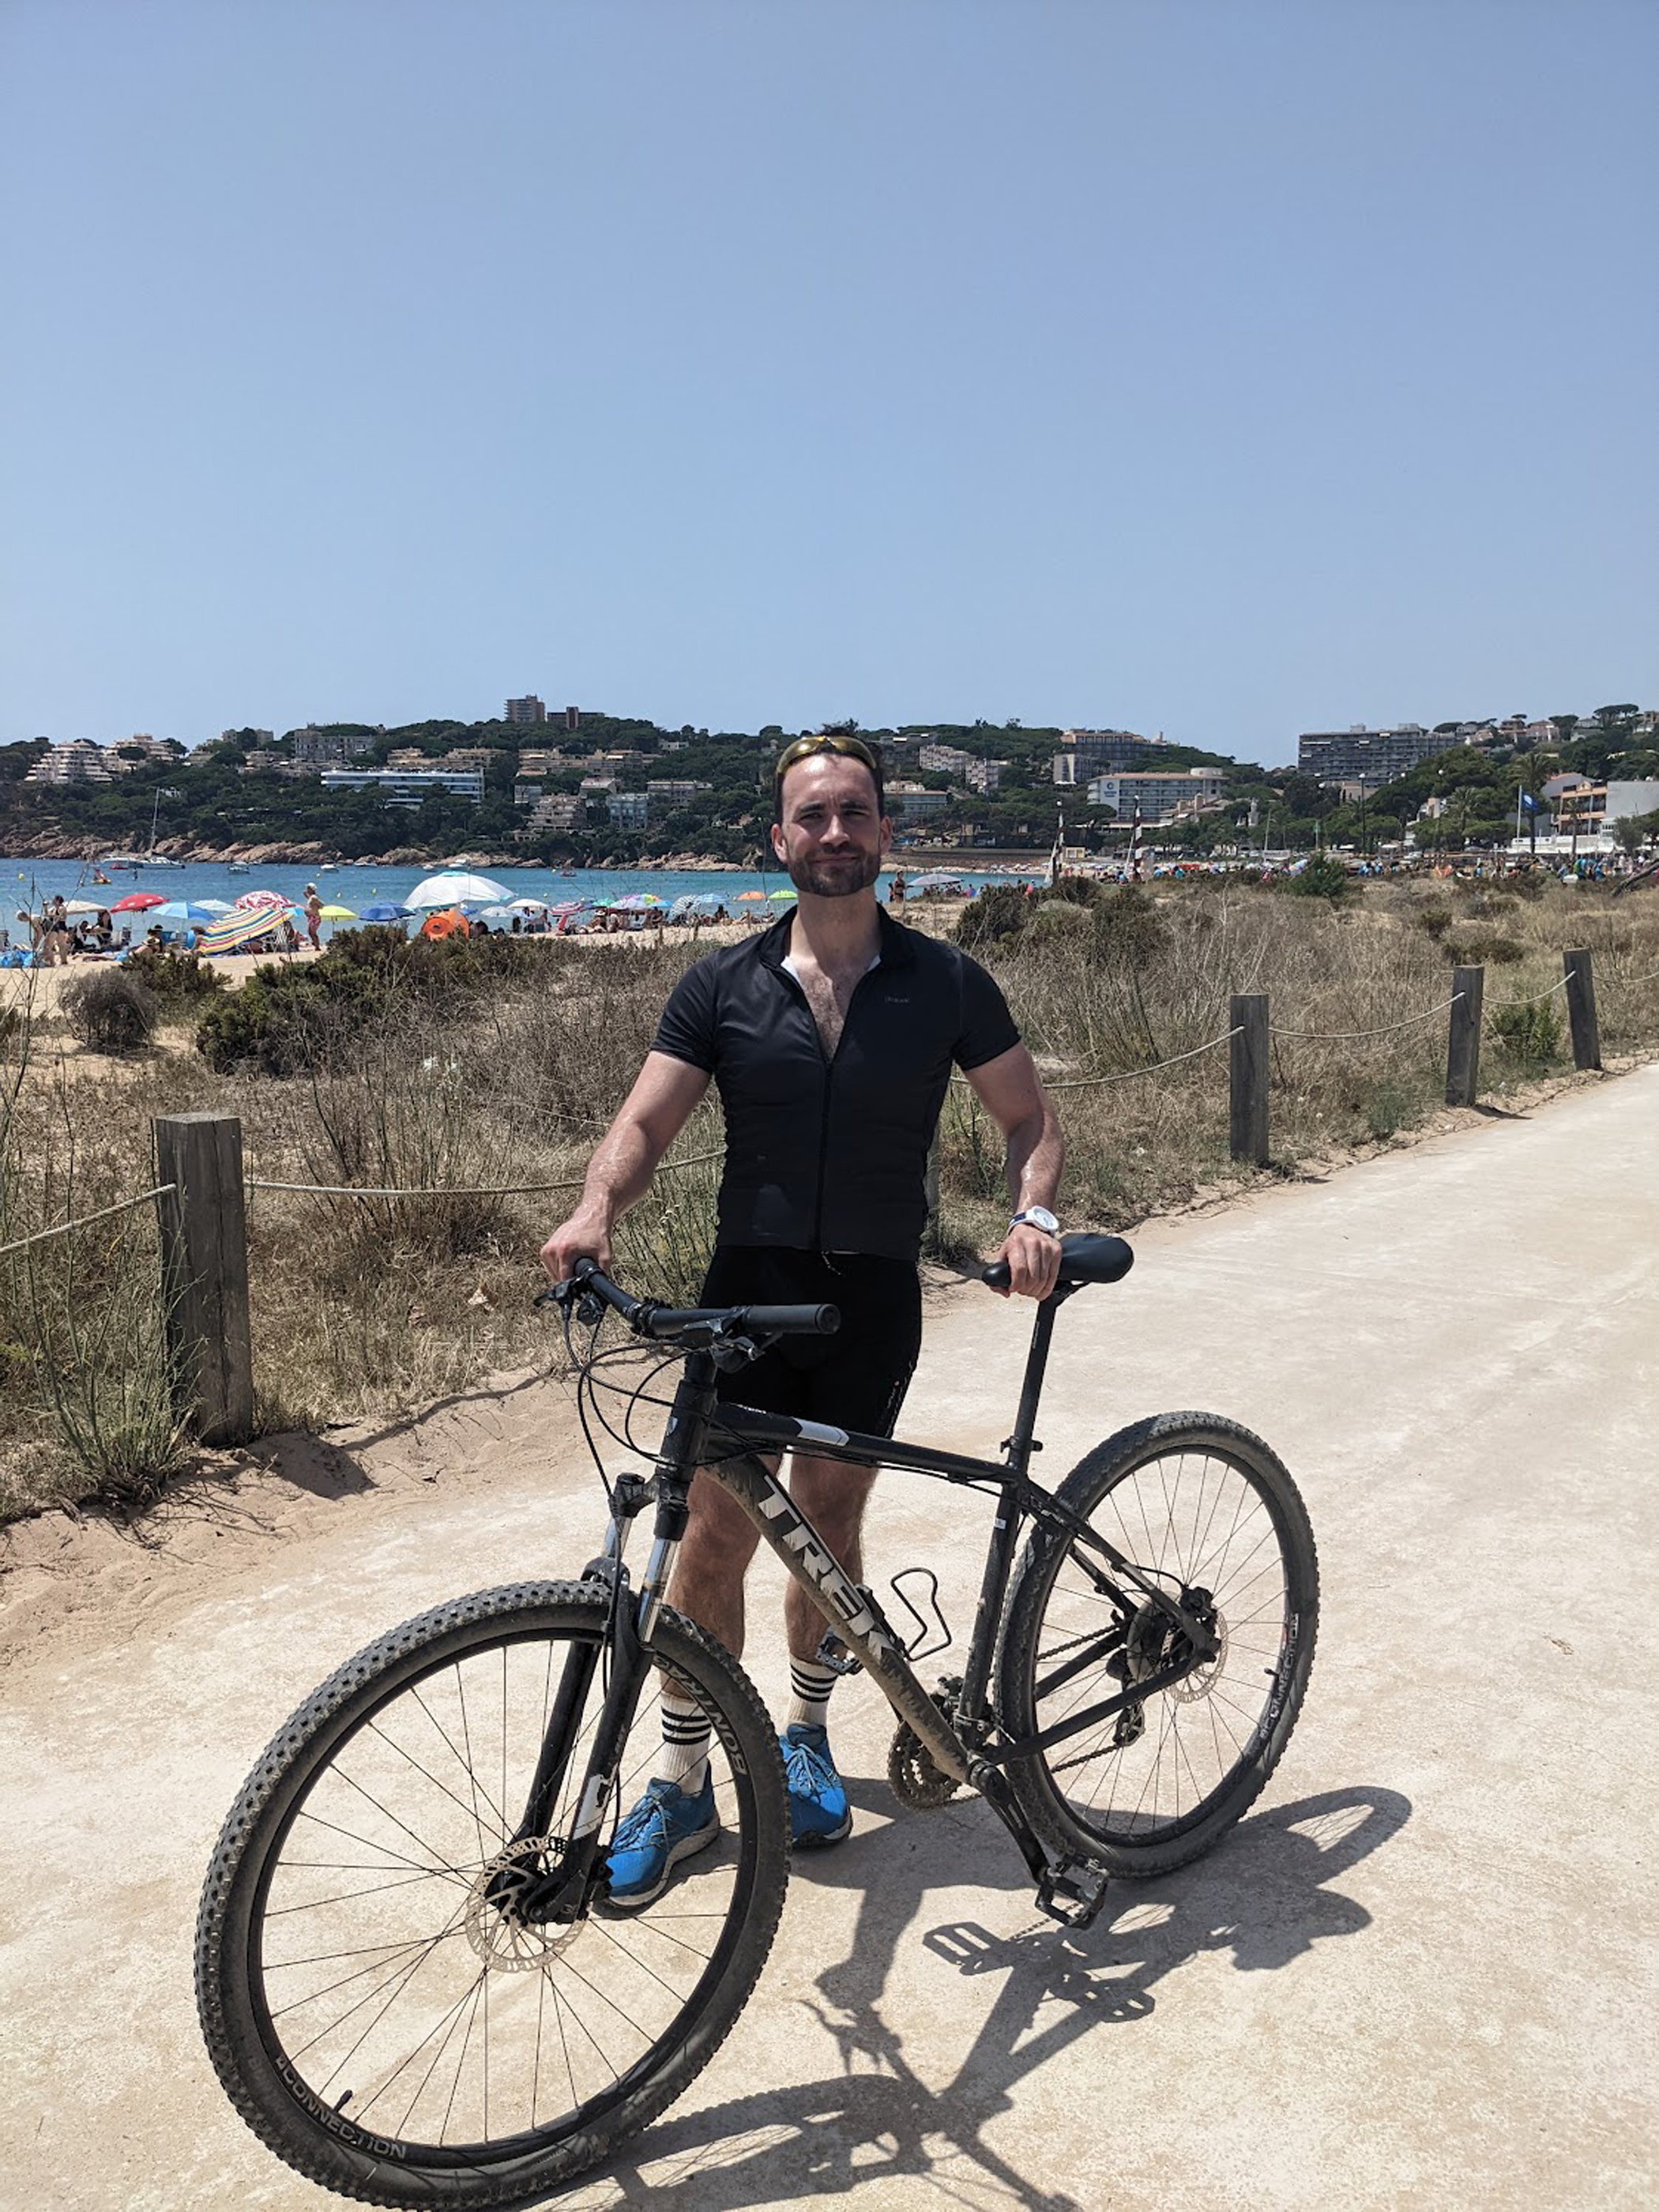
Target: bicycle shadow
(1264, 1895)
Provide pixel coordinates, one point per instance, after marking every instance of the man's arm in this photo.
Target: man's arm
(624, 1160)
(1010, 1094)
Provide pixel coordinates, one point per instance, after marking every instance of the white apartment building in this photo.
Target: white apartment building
(669, 794)
(558, 809)
(409, 786)
(77, 761)
(629, 809)
(914, 802)
(318, 748)
(1161, 798)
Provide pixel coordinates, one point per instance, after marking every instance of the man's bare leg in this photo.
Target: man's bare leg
(721, 1539)
(713, 1558)
(832, 1495)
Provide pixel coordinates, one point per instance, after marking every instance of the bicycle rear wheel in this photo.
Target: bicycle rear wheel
(374, 2016)
(1202, 1508)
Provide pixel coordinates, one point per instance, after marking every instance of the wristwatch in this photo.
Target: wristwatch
(1036, 1217)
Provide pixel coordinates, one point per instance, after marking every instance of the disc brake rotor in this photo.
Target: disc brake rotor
(497, 1936)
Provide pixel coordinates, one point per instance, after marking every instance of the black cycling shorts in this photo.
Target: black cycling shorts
(855, 1379)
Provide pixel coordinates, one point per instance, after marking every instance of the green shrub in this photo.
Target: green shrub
(1324, 876)
(1076, 890)
(286, 1017)
(1528, 1034)
(999, 913)
(1480, 948)
(109, 1012)
(172, 979)
(1058, 922)
(1128, 928)
(1434, 920)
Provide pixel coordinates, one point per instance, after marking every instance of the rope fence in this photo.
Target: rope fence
(86, 1220)
(449, 1190)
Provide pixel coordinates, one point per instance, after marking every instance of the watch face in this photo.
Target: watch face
(1040, 1217)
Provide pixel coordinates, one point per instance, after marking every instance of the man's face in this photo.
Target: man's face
(831, 838)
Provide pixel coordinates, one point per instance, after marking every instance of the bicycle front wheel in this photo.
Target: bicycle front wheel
(375, 2016)
(1208, 1513)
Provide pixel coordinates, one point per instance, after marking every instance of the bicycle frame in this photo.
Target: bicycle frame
(696, 1422)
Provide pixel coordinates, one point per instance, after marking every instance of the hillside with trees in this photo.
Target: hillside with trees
(212, 801)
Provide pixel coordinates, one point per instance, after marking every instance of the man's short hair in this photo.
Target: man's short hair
(828, 741)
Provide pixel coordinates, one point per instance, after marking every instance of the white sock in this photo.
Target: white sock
(810, 1687)
(685, 1735)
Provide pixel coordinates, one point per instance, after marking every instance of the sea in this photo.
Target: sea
(354, 886)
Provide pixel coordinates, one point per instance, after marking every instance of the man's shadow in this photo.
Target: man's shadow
(1264, 1894)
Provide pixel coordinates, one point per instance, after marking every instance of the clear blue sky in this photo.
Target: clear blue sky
(1229, 368)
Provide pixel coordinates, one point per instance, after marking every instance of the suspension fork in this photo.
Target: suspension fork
(564, 1892)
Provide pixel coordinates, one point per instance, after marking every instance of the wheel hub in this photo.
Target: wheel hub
(495, 1927)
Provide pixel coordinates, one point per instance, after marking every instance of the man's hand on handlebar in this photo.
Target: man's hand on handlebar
(586, 1236)
(1032, 1257)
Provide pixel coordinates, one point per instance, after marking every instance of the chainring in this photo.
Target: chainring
(915, 1780)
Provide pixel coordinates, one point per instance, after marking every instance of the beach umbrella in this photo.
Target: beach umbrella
(240, 927)
(182, 910)
(382, 910)
(83, 906)
(137, 902)
(635, 902)
(215, 906)
(250, 900)
(784, 895)
(455, 889)
(745, 897)
(338, 913)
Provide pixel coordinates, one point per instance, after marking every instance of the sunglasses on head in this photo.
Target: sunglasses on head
(826, 742)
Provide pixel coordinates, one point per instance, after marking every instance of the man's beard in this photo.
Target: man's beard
(839, 878)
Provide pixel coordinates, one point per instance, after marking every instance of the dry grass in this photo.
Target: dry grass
(381, 1306)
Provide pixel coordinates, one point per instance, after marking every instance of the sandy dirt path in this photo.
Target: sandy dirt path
(1422, 1972)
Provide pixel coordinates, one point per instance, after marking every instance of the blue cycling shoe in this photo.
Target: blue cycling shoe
(665, 1827)
(819, 1811)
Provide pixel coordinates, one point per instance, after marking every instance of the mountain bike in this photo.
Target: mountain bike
(410, 1978)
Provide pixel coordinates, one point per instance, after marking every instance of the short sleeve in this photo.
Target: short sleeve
(686, 1031)
(988, 1027)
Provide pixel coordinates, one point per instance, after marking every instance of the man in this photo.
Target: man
(831, 1037)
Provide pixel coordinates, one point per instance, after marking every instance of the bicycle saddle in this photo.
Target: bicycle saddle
(1094, 1259)
(1083, 1258)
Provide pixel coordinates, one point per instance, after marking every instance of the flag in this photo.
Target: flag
(1529, 805)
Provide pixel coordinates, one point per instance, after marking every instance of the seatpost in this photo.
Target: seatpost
(1036, 1361)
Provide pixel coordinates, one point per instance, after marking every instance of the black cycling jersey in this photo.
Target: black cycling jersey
(824, 1153)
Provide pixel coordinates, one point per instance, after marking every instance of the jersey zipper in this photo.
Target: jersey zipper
(829, 1061)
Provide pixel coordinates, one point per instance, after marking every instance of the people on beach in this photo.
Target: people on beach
(813, 1208)
(313, 916)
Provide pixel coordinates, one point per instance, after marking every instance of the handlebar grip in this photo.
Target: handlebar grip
(793, 1320)
(999, 1275)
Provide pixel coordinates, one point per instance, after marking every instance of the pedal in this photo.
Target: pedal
(1072, 1892)
(835, 1655)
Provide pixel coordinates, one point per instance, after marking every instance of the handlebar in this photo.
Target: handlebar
(645, 1317)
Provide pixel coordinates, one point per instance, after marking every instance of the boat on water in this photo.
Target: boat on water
(133, 862)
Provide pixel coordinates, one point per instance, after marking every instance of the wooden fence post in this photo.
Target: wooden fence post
(1463, 1043)
(1247, 1061)
(1581, 1010)
(203, 1224)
